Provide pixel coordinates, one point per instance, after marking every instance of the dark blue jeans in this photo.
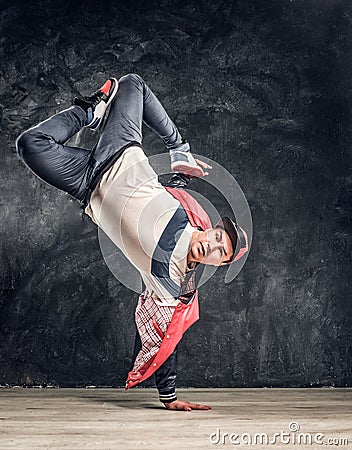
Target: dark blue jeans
(77, 170)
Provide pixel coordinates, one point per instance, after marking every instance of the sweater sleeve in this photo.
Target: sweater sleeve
(165, 378)
(178, 180)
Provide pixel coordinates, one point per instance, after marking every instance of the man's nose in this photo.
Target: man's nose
(213, 246)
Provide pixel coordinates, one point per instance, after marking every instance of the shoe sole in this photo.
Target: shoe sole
(100, 110)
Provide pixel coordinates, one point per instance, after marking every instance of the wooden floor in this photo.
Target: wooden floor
(102, 419)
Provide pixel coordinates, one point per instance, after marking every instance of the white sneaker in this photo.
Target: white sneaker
(96, 104)
(183, 161)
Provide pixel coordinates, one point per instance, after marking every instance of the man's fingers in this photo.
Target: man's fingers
(180, 405)
(197, 406)
(202, 164)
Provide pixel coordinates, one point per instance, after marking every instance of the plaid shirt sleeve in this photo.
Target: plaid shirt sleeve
(152, 321)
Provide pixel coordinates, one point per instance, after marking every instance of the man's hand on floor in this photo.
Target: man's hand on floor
(180, 405)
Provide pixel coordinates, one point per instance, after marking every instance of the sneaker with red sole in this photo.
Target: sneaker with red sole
(96, 104)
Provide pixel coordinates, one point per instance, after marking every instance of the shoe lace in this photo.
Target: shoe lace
(96, 98)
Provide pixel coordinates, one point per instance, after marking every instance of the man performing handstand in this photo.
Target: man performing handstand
(162, 230)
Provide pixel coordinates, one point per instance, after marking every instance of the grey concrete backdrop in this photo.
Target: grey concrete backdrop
(263, 88)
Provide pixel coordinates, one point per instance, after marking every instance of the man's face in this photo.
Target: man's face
(212, 247)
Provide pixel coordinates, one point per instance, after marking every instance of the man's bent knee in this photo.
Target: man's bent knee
(24, 144)
(32, 141)
(132, 78)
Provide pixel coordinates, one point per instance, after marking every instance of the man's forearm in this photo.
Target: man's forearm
(165, 378)
(166, 384)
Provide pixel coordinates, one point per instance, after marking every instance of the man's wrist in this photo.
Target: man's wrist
(167, 397)
(178, 180)
(182, 146)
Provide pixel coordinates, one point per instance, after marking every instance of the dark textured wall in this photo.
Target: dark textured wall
(263, 88)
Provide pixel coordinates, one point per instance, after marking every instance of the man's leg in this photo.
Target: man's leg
(42, 149)
(134, 104)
